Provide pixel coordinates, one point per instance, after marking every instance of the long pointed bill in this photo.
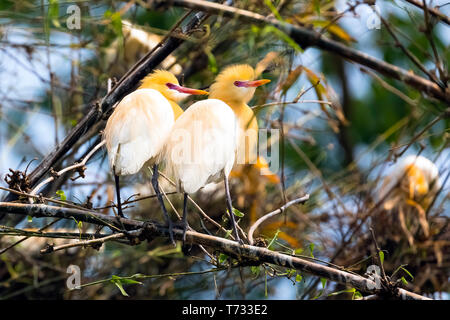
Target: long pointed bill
(249, 84)
(184, 89)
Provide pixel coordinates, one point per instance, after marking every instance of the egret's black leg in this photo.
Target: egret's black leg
(119, 203)
(230, 209)
(185, 222)
(161, 202)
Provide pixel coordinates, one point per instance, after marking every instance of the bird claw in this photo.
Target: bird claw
(184, 227)
(170, 226)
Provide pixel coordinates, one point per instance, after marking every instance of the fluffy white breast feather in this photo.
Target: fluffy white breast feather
(202, 143)
(137, 130)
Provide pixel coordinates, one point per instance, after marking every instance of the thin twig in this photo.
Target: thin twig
(435, 12)
(69, 168)
(273, 213)
(85, 243)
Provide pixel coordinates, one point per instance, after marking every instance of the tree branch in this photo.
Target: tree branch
(433, 11)
(256, 254)
(273, 213)
(310, 38)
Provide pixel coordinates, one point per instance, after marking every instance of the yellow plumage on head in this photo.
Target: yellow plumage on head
(157, 80)
(223, 87)
(158, 77)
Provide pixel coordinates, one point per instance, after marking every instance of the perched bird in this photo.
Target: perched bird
(139, 126)
(204, 140)
(231, 88)
(408, 192)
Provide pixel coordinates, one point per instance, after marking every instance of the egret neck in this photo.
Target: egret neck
(236, 86)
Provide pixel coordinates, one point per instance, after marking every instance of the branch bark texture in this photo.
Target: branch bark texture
(257, 254)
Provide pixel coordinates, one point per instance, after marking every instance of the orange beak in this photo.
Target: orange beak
(185, 89)
(251, 83)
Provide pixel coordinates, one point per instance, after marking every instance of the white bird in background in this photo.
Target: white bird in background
(139, 126)
(120, 56)
(204, 140)
(408, 192)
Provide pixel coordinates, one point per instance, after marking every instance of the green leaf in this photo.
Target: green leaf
(290, 272)
(311, 249)
(237, 213)
(409, 274)
(273, 239)
(316, 4)
(61, 195)
(256, 270)
(227, 235)
(30, 219)
(273, 9)
(212, 62)
(222, 257)
(381, 254)
(119, 285)
(53, 12)
(404, 280)
(352, 290)
(282, 36)
(324, 282)
(129, 281)
(298, 278)
(119, 282)
(356, 295)
(116, 22)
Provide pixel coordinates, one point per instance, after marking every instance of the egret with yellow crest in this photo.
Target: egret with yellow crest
(139, 126)
(204, 140)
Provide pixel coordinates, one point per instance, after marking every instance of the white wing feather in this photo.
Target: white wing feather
(202, 143)
(137, 130)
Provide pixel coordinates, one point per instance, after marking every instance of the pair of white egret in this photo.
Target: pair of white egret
(146, 127)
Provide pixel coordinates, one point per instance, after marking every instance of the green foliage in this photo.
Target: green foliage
(61, 195)
(355, 293)
(272, 241)
(223, 258)
(311, 249)
(238, 213)
(116, 22)
(119, 282)
(279, 34)
(53, 12)
(381, 254)
(323, 281)
(274, 10)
